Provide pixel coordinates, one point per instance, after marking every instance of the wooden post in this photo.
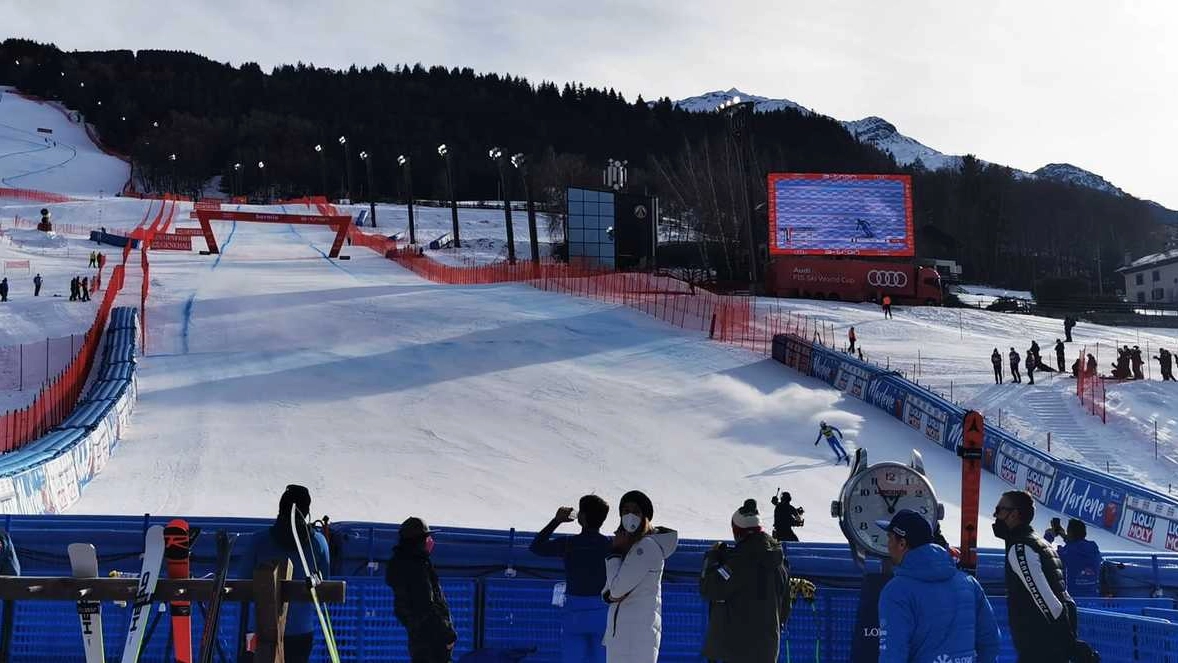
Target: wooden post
(270, 609)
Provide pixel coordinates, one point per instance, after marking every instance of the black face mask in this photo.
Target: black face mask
(1001, 530)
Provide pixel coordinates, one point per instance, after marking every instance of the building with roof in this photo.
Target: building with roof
(1152, 279)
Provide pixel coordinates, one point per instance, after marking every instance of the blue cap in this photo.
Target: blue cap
(910, 526)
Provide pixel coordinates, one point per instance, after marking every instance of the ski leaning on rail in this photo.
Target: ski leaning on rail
(208, 639)
(84, 564)
(153, 560)
(313, 580)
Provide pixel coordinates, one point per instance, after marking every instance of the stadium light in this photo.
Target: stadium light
(444, 152)
(521, 164)
(343, 141)
(371, 195)
(322, 170)
(408, 173)
(236, 178)
(496, 155)
(736, 112)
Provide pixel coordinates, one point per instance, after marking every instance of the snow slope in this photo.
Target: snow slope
(479, 406)
(65, 161)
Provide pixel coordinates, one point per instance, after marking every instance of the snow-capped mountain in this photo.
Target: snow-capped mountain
(1066, 172)
(707, 102)
(907, 151)
(883, 135)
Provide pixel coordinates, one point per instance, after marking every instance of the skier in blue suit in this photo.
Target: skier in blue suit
(829, 432)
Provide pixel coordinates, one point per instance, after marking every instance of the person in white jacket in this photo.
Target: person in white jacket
(634, 583)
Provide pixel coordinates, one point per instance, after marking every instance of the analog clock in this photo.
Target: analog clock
(877, 492)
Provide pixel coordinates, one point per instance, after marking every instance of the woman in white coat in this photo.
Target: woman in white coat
(634, 583)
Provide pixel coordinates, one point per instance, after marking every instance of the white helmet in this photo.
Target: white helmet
(822, 424)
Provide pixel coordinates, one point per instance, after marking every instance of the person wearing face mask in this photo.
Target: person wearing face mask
(277, 542)
(418, 601)
(930, 611)
(747, 588)
(1042, 614)
(633, 583)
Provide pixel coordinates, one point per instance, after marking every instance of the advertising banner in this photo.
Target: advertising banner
(931, 418)
(62, 481)
(32, 491)
(8, 501)
(852, 378)
(888, 393)
(171, 242)
(189, 232)
(798, 353)
(1078, 495)
(825, 364)
(1026, 469)
(1149, 521)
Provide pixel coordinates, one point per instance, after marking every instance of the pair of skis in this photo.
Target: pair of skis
(172, 543)
(314, 577)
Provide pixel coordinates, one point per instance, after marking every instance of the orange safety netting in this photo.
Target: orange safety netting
(57, 397)
(34, 195)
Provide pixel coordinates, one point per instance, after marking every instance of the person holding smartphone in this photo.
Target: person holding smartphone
(583, 619)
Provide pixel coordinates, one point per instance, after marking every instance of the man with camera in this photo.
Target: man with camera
(785, 518)
(747, 586)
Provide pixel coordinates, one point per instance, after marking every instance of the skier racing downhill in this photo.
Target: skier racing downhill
(840, 455)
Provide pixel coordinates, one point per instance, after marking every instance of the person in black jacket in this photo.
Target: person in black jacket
(1041, 612)
(418, 601)
(1059, 352)
(996, 360)
(785, 518)
(585, 614)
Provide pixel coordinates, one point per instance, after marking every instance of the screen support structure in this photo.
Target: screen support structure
(340, 223)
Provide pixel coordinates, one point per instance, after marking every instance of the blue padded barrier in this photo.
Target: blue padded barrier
(107, 389)
(122, 371)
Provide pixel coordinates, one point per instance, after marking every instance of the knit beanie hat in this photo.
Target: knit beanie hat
(643, 502)
(747, 517)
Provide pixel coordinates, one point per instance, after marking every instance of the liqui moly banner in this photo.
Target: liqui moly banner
(1151, 522)
(928, 417)
(852, 378)
(1025, 469)
(1077, 495)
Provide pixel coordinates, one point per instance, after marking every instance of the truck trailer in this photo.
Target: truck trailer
(853, 280)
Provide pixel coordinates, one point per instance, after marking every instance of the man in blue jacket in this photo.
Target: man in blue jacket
(929, 611)
(584, 618)
(277, 542)
(1081, 559)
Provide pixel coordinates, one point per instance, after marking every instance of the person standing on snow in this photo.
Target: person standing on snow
(851, 338)
(418, 601)
(1068, 323)
(584, 614)
(747, 589)
(1015, 360)
(1135, 358)
(1166, 363)
(1059, 352)
(1030, 364)
(929, 610)
(37, 285)
(785, 518)
(4, 289)
(634, 583)
(887, 306)
(996, 360)
(829, 432)
(278, 542)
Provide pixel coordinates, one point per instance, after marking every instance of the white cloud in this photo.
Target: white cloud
(1025, 84)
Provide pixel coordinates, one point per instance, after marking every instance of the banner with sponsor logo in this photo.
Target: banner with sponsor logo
(932, 417)
(8, 501)
(795, 352)
(171, 242)
(62, 481)
(1025, 468)
(888, 393)
(1080, 494)
(1152, 522)
(32, 491)
(189, 232)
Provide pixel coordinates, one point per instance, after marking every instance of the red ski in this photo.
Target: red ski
(972, 437)
(177, 549)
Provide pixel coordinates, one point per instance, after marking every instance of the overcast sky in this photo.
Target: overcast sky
(1023, 83)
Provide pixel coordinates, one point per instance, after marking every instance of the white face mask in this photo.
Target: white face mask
(630, 522)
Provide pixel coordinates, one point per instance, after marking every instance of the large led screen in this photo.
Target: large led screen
(817, 214)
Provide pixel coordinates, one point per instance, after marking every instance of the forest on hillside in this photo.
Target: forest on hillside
(152, 104)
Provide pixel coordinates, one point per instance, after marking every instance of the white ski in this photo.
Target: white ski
(84, 563)
(153, 559)
(313, 580)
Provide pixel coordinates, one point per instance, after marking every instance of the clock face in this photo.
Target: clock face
(878, 493)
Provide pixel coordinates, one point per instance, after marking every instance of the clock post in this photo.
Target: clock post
(871, 493)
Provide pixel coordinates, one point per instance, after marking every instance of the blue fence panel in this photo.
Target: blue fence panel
(366, 630)
(519, 613)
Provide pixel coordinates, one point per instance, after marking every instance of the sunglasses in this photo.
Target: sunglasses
(999, 510)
